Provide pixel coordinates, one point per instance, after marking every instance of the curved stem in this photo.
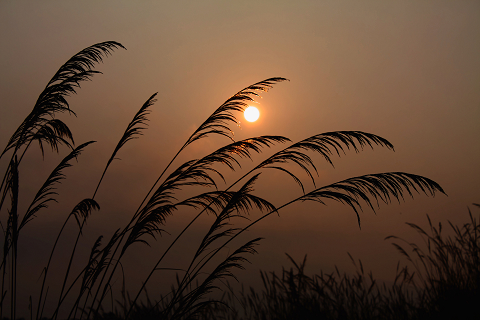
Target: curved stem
(124, 233)
(69, 265)
(39, 314)
(68, 290)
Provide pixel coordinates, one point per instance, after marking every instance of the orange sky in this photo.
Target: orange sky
(407, 71)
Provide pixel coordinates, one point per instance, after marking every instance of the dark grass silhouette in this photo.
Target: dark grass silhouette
(444, 284)
(189, 297)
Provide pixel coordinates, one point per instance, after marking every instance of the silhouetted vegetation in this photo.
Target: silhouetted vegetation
(189, 297)
(441, 280)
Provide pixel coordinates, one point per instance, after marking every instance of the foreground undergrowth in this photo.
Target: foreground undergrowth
(440, 280)
(83, 295)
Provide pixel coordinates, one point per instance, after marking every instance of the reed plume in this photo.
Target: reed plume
(52, 100)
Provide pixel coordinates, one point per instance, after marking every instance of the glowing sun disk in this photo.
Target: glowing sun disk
(251, 114)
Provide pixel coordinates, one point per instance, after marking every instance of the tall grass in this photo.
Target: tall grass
(446, 269)
(444, 284)
(89, 288)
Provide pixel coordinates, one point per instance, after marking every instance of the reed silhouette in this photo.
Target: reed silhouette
(189, 296)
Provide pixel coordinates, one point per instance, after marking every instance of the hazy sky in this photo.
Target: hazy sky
(408, 71)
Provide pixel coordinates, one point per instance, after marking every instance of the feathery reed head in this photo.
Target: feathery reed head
(38, 124)
(325, 144)
(219, 120)
(379, 186)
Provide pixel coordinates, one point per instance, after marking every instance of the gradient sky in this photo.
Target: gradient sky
(408, 71)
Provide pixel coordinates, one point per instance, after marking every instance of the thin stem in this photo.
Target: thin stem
(39, 314)
(70, 264)
(69, 289)
(124, 233)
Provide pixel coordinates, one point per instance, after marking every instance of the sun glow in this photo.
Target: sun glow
(251, 114)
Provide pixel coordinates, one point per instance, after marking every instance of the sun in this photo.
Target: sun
(251, 114)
